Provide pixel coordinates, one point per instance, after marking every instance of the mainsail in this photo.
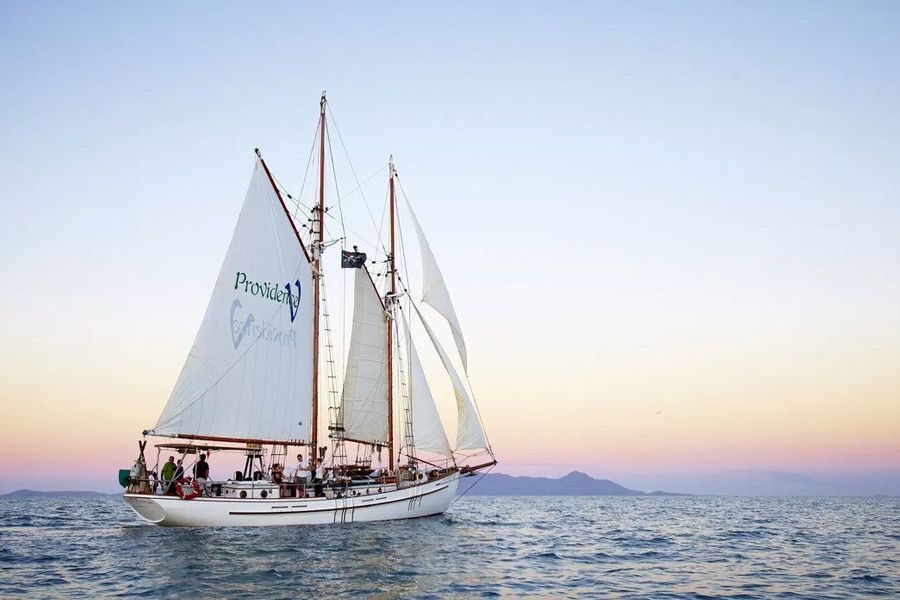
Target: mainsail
(364, 397)
(249, 373)
(434, 290)
(428, 432)
(469, 433)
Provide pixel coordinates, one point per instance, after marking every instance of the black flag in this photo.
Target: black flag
(352, 260)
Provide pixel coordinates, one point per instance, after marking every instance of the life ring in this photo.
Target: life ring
(187, 489)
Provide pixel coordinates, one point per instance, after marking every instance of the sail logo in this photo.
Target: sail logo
(250, 328)
(239, 330)
(294, 309)
(270, 291)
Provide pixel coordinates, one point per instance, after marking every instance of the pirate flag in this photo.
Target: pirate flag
(352, 260)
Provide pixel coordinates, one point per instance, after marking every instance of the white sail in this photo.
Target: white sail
(249, 373)
(364, 397)
(469, 433)
(428, 431)
(434, 290)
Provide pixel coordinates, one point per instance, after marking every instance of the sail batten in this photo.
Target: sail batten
(364, 395)
(469, 434)
(434, 289)
(248, 373)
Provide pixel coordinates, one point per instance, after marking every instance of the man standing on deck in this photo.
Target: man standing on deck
(201, 473)
(301, 476)
(168, 474)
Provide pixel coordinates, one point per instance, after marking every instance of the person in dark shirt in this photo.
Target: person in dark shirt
(201, 469)
(201, 473)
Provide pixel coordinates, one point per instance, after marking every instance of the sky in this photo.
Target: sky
(671, 230)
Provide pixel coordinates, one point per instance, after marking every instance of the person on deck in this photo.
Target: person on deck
(201, 473)
(318, 474)
(301, 476)
(179, 472)
(168, 475)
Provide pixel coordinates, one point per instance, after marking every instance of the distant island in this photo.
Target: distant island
(56, 494)
(575, 483)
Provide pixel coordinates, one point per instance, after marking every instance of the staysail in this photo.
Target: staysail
(434, 290)
(364, 397)
(249, 373)
(469, 434)
(428, 431)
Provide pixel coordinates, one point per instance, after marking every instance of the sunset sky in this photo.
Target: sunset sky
(671, 230)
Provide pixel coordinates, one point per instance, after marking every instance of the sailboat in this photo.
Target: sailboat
(261, 372)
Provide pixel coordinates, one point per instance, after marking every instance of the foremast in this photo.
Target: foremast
(317, 245)
(390, 306)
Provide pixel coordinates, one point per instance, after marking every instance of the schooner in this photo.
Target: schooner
(261, 370)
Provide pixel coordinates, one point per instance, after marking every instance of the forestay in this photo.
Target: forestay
(249, 372)
(469, 434)
(364, 397)
(434, 290)
(428, 431)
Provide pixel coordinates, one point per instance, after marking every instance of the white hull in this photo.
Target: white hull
(430, 498)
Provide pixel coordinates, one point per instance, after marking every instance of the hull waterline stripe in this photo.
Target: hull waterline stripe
(335, 509)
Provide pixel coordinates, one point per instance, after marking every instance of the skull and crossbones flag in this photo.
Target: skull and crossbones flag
(352, 260)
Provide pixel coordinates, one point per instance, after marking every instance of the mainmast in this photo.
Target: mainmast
(319, 235)
(391, 297)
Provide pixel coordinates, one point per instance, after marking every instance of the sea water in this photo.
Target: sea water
(625, 547)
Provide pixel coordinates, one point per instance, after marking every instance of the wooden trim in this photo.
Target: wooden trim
(468, 469)
(215, 438)
(368, 443)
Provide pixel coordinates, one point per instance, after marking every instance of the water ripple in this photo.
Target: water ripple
(680, 547)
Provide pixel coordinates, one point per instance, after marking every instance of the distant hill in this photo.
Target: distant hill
(61, 494)
(575, 483)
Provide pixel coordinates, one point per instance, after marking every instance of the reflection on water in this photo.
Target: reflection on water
(627, 547)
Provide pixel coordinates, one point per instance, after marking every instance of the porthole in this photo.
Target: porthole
(264, 494)
(243, 493)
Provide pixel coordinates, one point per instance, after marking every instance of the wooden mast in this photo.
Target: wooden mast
(317, 275)
(390, 332)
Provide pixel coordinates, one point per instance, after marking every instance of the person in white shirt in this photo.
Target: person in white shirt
(301, 475)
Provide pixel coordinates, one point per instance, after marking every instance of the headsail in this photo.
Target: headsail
(428, 431)
(434, 290)
(364, 397)
(469, 434)
(249, 373)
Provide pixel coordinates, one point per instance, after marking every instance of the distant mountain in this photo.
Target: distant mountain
(575, 483)
(62, 494)
(749, 482)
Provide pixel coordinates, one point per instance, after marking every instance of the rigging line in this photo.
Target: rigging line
(356, 233)
(477, 481)
(359, 187)
(400, 227)
(296, 201)
(402, 244)
(337, 190)
(350, 162)
(309, 160)
(381, 226)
